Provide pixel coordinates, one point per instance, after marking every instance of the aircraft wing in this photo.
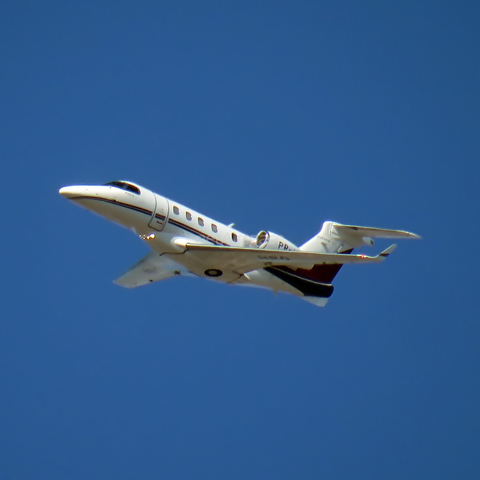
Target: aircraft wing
(152, 268)
(243, 260)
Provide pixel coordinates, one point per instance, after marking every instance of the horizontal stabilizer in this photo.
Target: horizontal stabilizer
(374, 232)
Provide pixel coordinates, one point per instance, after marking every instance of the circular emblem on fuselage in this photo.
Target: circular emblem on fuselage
(213, 272)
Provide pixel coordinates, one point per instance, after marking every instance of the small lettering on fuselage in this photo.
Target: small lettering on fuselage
(283, 246)
(272, 257)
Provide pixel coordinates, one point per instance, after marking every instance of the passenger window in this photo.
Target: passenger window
(176, 211)
(214, 228)
(234, 237)
(201, 222)
(188, 215)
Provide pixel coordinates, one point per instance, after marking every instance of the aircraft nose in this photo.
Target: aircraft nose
(67, 192)
(73, 191)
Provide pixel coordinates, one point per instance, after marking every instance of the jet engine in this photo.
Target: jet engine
(272, 241)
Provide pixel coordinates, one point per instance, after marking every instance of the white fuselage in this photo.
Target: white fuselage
(186, 242)
(167, 226)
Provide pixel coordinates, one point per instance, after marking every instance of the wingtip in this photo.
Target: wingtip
(388, 251)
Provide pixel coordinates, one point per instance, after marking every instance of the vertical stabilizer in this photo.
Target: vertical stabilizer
(329, 240)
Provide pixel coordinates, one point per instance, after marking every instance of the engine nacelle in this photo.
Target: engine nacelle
(368, 241)
(272, 241)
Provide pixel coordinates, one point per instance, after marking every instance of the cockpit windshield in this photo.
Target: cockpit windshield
(125, 186)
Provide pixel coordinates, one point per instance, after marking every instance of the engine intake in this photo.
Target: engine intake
(272, 241)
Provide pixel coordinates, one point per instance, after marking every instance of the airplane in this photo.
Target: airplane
(184, 242)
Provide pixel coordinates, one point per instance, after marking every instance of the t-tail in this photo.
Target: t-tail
(337, 238)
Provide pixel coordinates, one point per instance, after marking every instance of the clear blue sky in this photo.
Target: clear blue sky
(272, 115)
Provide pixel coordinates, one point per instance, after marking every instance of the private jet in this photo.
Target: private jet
(184, 242)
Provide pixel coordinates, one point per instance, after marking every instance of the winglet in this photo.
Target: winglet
(388, 251)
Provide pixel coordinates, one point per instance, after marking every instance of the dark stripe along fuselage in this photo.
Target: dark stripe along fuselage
(145, 211)
(313, 282)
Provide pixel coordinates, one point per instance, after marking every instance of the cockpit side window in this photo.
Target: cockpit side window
(125, 186)
(132, 188)
(115, 184)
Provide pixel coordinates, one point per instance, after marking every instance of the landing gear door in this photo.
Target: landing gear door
(160, 214)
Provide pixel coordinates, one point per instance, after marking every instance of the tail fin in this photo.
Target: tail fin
(337, 238)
